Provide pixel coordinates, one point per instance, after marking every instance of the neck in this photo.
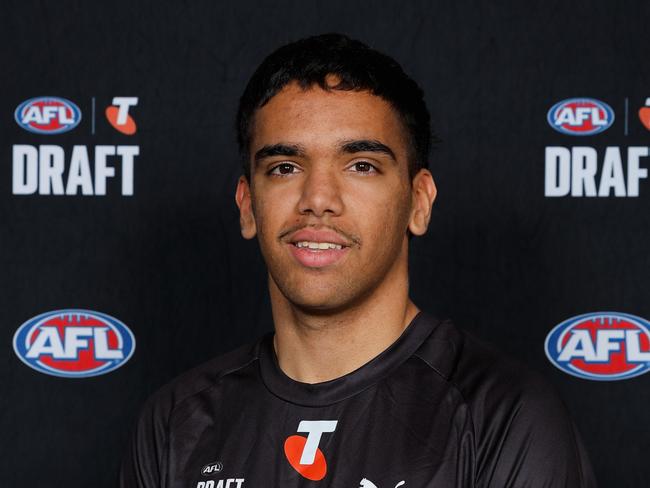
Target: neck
(313, 347)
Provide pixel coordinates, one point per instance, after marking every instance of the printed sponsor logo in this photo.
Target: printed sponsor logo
(580, 116)
(303, 453)
(586, 171)
(74, 343)
(644, 114)
(602, 346)
(47, 115)
(50, 169)
(366, 483)
(119, 117)
(212, 468)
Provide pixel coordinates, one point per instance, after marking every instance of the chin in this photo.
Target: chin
(316, 302)
(309, 293)
(321, 298)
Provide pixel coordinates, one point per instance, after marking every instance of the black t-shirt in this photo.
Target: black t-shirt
(437, 409)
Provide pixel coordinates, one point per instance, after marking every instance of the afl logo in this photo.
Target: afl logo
(580, 116)
(602, 346)
(212, 468)
(74, 343)
(47, 115)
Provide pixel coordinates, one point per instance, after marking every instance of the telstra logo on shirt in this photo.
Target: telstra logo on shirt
(303, 453)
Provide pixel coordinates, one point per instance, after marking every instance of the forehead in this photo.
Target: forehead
(317, 118)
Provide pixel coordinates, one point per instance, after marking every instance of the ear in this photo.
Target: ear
(245, 204)
(423, 193)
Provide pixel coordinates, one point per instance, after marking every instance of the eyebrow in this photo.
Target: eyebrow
(349, 147)
(367, 145)
(279, 149)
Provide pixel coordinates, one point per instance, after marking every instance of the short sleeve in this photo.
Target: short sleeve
(530, 442)
(144, 462)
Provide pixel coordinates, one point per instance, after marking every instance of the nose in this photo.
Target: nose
(321, 192)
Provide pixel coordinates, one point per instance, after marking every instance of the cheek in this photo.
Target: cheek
(383, 220)
(273, 211)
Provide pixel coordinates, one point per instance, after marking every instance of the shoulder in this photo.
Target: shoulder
(145, 461)
(523, 434)
(491, 380)
(485, 377)
(199, 379)
(504, 394)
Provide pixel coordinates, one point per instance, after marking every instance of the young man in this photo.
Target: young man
(357, 387)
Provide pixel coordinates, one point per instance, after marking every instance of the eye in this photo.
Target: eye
(283, 169)
(363, 167)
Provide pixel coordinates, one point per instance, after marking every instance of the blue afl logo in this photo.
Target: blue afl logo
(580, 116)
(74, 343)
(47, 115)
(601, 346)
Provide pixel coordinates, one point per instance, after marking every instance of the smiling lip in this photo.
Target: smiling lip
(303, 242)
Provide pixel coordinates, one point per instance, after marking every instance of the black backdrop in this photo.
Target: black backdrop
(501, 259)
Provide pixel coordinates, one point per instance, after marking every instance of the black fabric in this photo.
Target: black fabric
(435, 409)
(169, 261)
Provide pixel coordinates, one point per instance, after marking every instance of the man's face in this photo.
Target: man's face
(330, 197)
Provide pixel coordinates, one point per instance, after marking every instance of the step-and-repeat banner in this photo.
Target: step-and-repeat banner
(121, 263)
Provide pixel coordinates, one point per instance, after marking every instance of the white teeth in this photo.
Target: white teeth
(318, 245)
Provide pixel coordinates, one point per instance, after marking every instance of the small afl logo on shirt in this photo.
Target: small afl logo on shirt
(212, 468)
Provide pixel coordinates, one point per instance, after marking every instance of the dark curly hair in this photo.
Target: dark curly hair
(309, 62)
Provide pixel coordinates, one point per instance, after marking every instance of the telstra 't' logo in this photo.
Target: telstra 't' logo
(303, 453)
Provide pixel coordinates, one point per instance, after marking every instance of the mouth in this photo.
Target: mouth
(318, 248)
(314, 254)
